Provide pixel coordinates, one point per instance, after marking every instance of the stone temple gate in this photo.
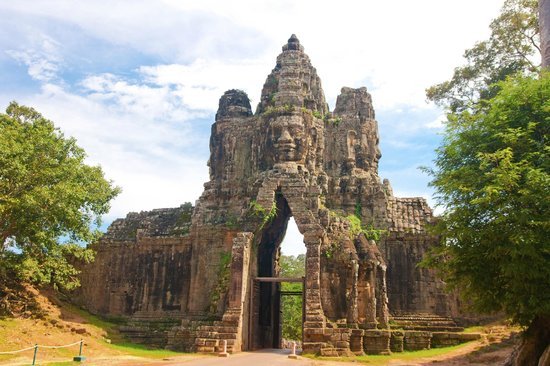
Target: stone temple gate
(185, 277)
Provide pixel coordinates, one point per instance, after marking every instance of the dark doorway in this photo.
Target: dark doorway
(265, 301)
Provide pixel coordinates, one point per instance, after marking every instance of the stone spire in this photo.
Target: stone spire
(293, 44)
(293, 81)
(234, 104)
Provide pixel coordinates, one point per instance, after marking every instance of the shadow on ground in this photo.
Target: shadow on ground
(494, 353)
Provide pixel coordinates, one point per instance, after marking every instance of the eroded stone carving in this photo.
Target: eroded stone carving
(293, 157)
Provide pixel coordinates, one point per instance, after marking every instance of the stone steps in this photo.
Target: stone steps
(209, 338)
(428, 328)
(209, 345)
(154, 333)
(143, 335)
(425, 322)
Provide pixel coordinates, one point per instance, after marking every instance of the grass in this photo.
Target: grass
(102, 339)
(108, 325)
(475, 329)
(139, 350)
(376, 360)
(127, 348)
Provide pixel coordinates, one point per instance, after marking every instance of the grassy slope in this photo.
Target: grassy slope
(64, 324)
(403, 356)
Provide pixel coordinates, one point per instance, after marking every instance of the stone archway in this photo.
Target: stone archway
(265, 288)
(265, 300)
(293, 197)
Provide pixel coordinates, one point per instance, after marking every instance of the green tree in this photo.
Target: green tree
(512, 47)
(292, 266)
(492, 176)
(47, 192)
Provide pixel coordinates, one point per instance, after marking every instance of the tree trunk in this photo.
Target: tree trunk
(535, 341)
(544, 24)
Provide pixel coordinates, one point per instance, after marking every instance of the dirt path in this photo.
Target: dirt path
(475, 354)
(267, 357)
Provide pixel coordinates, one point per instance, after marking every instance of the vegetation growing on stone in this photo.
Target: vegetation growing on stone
(329, 119)
(265, 216)
(356, 228)
(272, 111)
(223, 275)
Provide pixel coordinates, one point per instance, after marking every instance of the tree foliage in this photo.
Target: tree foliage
(47, 192)
(492, 174)
(512, 47)
(292, 266)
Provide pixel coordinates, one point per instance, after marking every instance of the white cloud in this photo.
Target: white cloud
(149, 27)
(398, 48)
(152, 158)
(201, 83)
(42, 60)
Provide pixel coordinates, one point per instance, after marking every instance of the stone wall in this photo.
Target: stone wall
(411, 288)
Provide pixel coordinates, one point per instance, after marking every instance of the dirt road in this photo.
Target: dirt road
(266, 357)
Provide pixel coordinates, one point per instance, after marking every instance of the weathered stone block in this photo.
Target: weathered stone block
(376, 342)
(329, 352)
(445, 339)
(417, 340)
(396, 341)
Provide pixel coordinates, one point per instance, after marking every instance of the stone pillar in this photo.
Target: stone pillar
(233, 320)
(356, 342)
(313, 295)
(396, 341)
(382, 310)
(313, 331)
(353, 315)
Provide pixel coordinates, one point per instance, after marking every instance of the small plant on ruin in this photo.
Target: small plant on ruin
(289, 108)
(279, 111)
(224, 272)
(317, 114)
(334, 121)
(358, 210)
(257, 210)
(370, 232)
(331, 249)
(232, 222)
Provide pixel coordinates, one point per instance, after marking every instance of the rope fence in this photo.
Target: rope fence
(78, 358)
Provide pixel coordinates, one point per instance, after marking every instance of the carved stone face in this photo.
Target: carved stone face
(287, 134)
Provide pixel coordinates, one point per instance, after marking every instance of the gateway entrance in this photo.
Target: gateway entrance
(266, 316)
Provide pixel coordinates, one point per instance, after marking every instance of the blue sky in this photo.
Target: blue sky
(137, 83)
